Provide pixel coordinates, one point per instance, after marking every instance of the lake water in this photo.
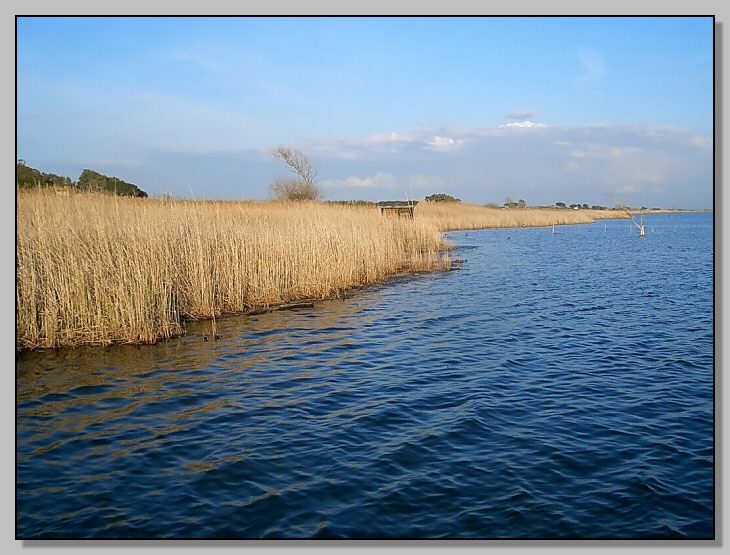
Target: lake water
(558, 386)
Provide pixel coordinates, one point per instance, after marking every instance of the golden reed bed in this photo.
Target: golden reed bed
(100, 269)
(450, 216)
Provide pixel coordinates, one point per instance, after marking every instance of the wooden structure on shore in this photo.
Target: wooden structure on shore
(397, 208)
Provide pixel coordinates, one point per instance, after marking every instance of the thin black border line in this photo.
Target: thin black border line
(397, 540)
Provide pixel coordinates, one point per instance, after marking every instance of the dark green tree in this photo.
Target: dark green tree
(441, 197)
(95, 181)
(25, 176)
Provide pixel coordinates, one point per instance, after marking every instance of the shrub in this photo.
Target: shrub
(295, 190)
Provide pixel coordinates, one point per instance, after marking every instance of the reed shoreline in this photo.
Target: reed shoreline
(95, 269)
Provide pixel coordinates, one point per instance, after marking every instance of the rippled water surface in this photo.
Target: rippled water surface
(558, 386)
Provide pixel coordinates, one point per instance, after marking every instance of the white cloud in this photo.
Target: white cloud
(604, 151)
(388, 138)
(394, 142)
(380, 180)
(391, 142)
(526, 124)
(440, 143)
(668, 133)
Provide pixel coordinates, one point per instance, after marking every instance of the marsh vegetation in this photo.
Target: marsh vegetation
(97, 269)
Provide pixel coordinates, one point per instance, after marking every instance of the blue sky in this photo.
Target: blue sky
(546, 109)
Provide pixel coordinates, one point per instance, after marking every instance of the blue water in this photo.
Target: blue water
(557, 386)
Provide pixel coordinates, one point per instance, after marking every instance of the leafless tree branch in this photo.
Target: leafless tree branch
(297, 162)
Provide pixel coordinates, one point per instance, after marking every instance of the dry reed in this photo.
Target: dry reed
(100, 269)
(447, 216)
(97, 269)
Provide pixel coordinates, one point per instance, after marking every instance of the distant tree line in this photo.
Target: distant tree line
(89, 180)
(438, 197)
(25, 176)
(510, 203)
(441, 197)
(352, 202)
(583, 206)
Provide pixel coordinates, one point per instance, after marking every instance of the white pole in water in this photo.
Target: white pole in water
(632, 221)
(553, 229)
(640, 225)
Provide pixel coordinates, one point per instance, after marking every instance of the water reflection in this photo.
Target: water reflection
(66, 392)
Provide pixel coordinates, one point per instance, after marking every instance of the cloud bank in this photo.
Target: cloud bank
(640, 164)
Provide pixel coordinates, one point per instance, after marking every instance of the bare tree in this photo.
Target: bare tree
(303, 186)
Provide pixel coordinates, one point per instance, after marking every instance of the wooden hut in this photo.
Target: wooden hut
(397, 208)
